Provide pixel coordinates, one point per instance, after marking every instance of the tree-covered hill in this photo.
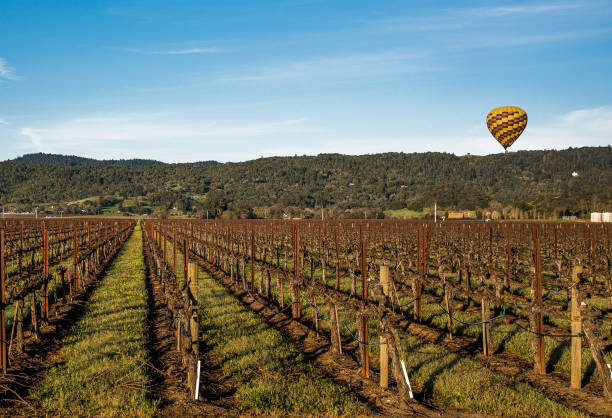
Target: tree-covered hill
(74, 161)
(523, 180)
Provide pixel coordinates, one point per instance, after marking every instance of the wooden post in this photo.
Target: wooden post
(416, 284)
(165, 247)
(365, 354)
(508, 259)
(486, 349)
(538, 342)
(75, 260)
(45, 289)
(384, 352)
(334, 328)
(194, 323)
(35, 330)
(297, 311)
(365, 357)
(252, 260)
(576, 351)
(337, 258)
(3, 351)
(20, 340)
(185, 259)
(447, 304)
(178, 334)
(174, 244)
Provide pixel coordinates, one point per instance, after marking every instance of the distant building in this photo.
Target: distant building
(601, 216)
(455, 215)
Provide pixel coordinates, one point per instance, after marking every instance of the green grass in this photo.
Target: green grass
(54, 290)
(405, 213)
(102, 370)
(451, 380)
(459, 382)
(516, 340)
(272, 374)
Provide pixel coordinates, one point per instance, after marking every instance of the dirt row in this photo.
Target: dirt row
(168, 373)
(554, 385)
(344, 368)
(27, 370)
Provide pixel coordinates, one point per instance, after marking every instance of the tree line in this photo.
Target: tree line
(544, 183)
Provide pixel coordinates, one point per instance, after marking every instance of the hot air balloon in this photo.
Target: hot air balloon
(506, 124)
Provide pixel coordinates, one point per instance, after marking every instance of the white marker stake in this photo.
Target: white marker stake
(407, 381)
(610, 368)
(197, 391)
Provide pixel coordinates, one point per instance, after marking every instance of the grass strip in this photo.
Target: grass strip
(454, 381)
(102, 370)
(272, 373)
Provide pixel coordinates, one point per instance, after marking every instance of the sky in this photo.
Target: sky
(182, 81)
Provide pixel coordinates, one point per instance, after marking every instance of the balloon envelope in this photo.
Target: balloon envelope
(506, 124)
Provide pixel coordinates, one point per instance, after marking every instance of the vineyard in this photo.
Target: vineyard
(327, 317)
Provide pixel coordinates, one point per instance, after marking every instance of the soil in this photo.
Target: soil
(343, 368)
(554, 385)
(167, 373)
(28, 369)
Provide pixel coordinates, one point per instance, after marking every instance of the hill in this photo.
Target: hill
(521, 181)
(74, 161)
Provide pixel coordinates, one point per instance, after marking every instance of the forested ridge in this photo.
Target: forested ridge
(523, 179)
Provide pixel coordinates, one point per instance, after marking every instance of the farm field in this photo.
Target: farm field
(352, 318)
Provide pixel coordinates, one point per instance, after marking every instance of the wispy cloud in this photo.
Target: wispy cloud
(6, 72)
(531, 9)
(179, 51)
(132, 130)
(3, 121)
(345, 67)
(463, 18)
(534, 39)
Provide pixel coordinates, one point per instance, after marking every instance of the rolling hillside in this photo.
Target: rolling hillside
(524, 180)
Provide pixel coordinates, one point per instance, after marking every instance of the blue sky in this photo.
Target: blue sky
(234, 80)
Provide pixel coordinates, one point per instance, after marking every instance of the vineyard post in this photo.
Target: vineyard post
(447, 304)
(384, 353)
(593, 247)
(178, 333)
(19, 335)
(337, 257)
(485, 328)
(252, 260)
(174, 244)
(539, 358)
(3, 353)
(76, 257)
(193, 289)
(364, 318)
(185, 259)
(508, 259)
(20, 247)
(417, 279)
(576, 348)
(45, 290)
(336, 341)
(297, 314)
